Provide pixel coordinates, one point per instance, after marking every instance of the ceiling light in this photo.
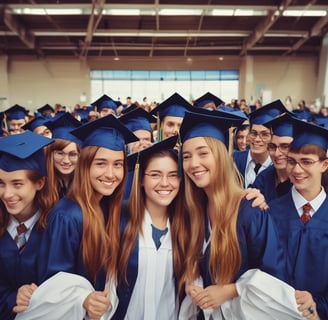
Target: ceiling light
(304, 13)
(123, 12)
(180, 12)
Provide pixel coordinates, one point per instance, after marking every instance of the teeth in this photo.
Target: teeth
(109, 183)
(164, 192)
(198, 173)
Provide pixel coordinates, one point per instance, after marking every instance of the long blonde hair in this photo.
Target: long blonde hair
(100, 242)
(136, 210)
(226, 190)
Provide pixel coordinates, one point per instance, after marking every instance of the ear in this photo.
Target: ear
(324, 166)
(40, 183)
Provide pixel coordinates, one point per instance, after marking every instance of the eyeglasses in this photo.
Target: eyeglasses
(303, 163)
(173, 176)
(263, 135)
(284, 147)
(60, 155)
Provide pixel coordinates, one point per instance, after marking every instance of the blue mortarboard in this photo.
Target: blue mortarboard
(304, 114)
(36, 122)
(140, 156)
(267, 112)
(174, 106)
(132, 107)
(201, 125)
(282, 125)
(62, 126)
(23, 152)
(16, 112)
(138, 119)
(207, 98)
(107, 132)
(321, 120)
(307, 133)
(236, 117)
(46, 110)
(105, 102)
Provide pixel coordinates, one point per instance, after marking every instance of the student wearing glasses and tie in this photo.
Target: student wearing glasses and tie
(302, 220)
(273, 182)
(253, 161)
(24, 209)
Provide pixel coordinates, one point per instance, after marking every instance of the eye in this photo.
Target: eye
(173, 175)
(291, 161)
(307, 162)
(118, 164)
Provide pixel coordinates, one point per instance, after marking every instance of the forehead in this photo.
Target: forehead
(172, 119)
(284, 139)
(162, 163)
(13, 175)
(259, 128)
(108, 154)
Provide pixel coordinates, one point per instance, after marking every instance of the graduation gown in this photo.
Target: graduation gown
(258, 242)
(16, 269)
(61, 244)
(306, 247)
(266, 182)
(240, 159)
(151, 293)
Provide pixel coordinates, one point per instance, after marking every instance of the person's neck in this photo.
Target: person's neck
(309, 195)
(259, 158)
(158, 214)
(281, 175)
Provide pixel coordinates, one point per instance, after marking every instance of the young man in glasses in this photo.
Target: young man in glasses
(256, 159)
(302, 220)
(273, 182)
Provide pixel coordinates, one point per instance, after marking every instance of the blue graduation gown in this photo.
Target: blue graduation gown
(240, 159)
(266, 182)
(16, 269)
(258, 244)
(306, 247)
(61, 244)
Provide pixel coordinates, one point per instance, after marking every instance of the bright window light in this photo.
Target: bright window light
(180, 12)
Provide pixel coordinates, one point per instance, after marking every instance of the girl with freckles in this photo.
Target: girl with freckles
(83, 232)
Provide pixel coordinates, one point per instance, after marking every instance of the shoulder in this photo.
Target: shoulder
(248, 215)
(240, 154)
(66, 209)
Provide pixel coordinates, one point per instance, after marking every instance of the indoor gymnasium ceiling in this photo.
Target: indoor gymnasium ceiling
(165, 28)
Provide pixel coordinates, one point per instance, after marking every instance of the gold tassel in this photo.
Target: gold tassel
(159, 129)
(230, 142)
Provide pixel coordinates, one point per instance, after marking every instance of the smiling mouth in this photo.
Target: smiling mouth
(199, 173)
(164, 192)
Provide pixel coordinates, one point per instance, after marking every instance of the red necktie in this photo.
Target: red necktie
(20, 238)
(305, 217)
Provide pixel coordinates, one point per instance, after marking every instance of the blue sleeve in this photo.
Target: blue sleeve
(60, 248)
(259, 243)
(7, 302)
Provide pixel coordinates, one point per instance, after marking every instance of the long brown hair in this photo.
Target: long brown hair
(41, 200)
(226, 190)
(53, 174)
(177, 215)
(100, 242)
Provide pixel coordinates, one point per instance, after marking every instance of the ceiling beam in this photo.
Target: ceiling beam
(316, 30)
(94, 19)
(264, 25)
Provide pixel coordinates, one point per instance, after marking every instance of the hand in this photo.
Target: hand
(212, 296)
(259, 200)
(23, 297)
(306, 305)
(97, 303)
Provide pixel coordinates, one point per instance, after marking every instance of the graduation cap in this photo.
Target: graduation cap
(138, 119)
(35, 123)
(62, 126)
(206, 99)
(105, 102)
(267, 112)
(282, 125)
(16, 112)
(130, 108)
(142, 155)
(46, 110)
(201, 125)
(321, 120)
(307, 133)
(23, 152)
(107, 132)
(304, 114)
(174, 106)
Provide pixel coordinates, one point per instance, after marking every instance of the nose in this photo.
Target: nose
(7, 193)
(109, 171)
(164, 180)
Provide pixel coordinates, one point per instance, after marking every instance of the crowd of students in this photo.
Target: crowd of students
(102, 220)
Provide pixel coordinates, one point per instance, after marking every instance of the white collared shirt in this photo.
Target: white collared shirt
(29, 224)
(300, 201)
(249, 169)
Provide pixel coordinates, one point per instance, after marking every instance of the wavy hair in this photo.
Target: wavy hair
(100, 242)
(226, 193)
(136, 210)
